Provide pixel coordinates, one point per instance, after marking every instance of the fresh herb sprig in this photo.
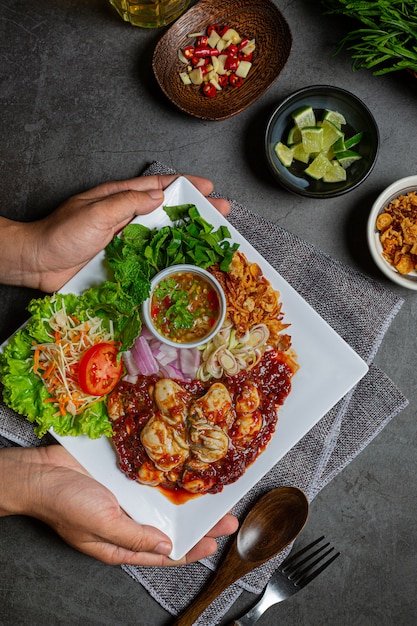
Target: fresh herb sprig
(388, 40)
(177, 314)
(140, 252)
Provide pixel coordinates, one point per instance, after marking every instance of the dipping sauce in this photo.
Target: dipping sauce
(185, 307)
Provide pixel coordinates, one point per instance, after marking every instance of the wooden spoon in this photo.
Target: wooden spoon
(274, 522)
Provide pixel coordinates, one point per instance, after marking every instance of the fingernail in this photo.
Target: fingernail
(163, 548)
(156, 194)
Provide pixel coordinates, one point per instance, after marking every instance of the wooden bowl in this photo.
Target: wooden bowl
(258, 19)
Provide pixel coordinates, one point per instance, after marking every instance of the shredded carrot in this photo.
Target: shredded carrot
(49, 371)
(57, 362)
(36, 360)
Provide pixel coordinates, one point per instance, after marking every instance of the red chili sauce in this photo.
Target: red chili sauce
(272, 377)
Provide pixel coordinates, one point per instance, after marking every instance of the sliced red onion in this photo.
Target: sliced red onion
(189, 362)
(165, 354)
(170, 371)
(146, 333)
(144, 357)
(130, 364)
(130, 379)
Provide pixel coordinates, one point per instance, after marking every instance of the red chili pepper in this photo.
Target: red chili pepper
(188, 52)
(232, 49)
(245, 57)
(231, 63)
(205, 51)
(209, 90)
(222, 79)
(235, 80)
(243, 43)
(223, 30)
(202, 40)
(212, 27)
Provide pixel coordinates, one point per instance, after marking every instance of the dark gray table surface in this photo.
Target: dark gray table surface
(79, 106)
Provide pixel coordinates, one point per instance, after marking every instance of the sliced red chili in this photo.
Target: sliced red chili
(209, 90)
(231, 49)
(205, 51)
(231, 63)
(222, 79)
(235, 80)
(212, 27)
(245, 57)
(223, 30)
(202, 40)
(188, 52)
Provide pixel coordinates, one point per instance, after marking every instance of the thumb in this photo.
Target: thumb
(134, 544)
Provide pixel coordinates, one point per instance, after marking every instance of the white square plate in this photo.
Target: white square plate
(329, 368)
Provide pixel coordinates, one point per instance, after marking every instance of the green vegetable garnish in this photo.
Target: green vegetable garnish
(388, 39)
(177, 313)
(24, 390)
(140, 253)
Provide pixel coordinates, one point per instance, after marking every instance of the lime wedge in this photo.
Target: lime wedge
(348, 157)
(335, 117)
(317, 140)
(318, 167)
(312, 138)
(294, 136)
(335, 173)
(353, 141)
(339, 145)
(304, 117)
(300, 154)
(331, 134)
(284, 153)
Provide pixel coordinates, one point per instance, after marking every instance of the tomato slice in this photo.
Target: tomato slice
(99, 370)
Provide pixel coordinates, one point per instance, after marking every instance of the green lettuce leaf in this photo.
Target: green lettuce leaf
(24, 391)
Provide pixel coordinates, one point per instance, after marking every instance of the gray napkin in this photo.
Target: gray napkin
(361, 311)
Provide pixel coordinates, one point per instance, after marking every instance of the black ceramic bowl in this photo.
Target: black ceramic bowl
(358, 119)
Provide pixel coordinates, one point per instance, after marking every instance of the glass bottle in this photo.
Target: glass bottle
(150, 13)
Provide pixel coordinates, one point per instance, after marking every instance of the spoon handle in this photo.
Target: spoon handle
(231, 569)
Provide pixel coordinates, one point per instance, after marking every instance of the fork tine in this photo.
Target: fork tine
(293, 566)
(308, 578)
(293, 557)
(289, 569)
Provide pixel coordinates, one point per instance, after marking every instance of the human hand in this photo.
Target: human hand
(49, 484)
(63, 242)
(68, 238)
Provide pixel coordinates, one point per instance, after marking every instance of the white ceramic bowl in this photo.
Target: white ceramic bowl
(166, 273)
(399, 188)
